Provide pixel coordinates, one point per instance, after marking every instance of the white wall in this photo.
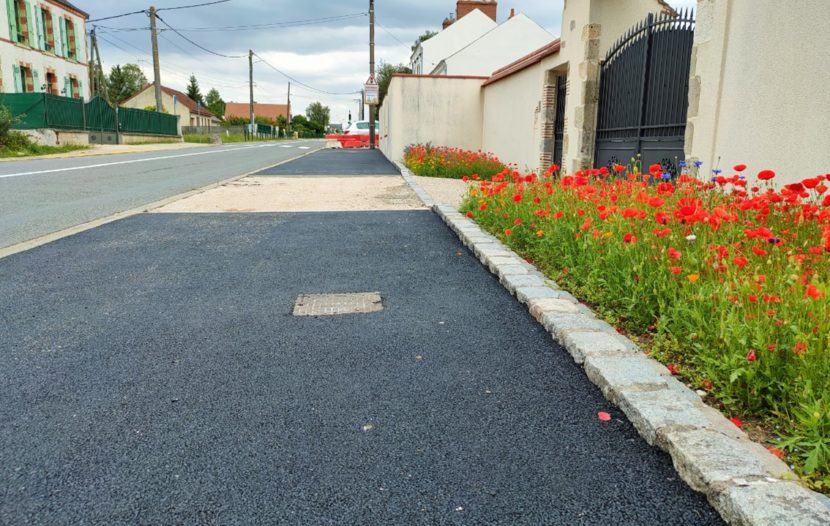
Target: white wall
(498, 47)
(760, 87)
(512, 127)
(445, 111)
(12, 54)
(450, 40)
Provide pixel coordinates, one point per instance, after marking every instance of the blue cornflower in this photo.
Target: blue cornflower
(666, 176)
(716, 171)
(773, 240)
(698, 164)
(682, 164)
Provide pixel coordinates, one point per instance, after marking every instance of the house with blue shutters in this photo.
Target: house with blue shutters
(43, 48)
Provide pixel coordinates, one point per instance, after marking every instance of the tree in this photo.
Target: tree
(384, 77)
(318, 116)
(124, 81)
(193, 90)
(214, 103)
(426, 36)
(282, 122)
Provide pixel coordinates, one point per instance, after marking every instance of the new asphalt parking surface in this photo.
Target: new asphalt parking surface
(336, 162)
(151, 372)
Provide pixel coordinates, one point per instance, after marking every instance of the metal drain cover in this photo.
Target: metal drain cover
(334, 304)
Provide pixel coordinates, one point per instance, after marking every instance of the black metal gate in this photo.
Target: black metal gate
(644, 88)
(559, 123)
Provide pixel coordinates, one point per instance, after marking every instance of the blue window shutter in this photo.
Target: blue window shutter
(67, 87)
(30, 25)
(18, 84)
(12, 21)
(56, 34)
(81, 93)
(79, 38)
(64, 38)
(41, 28)
(36, 81)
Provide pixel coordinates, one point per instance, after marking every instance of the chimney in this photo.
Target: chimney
(465, 7)
(448, 21)
(512, 12)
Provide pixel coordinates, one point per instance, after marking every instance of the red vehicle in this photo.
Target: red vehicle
(356, 135)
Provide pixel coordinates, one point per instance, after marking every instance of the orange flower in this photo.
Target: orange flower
(693, 278)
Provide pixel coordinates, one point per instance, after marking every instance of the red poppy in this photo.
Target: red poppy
(674, 253)
(739, 167)
(629, 237)
(751, 357)
(602, 415)
(507, 231)
(483, 207)
(737, 421)
(517, 221)
(814, 292)
(676, 270)
(766, 175)
(672, 368)
(740, 261)
(759, 251)
(469, 214)
(619, 168)
(517, 198)
(777, 452)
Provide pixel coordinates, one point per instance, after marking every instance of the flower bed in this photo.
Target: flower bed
(439, 161)
(724, 281)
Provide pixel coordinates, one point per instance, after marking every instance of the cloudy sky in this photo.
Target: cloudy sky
(320, 43)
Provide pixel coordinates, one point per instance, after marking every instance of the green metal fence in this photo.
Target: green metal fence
(41, 110)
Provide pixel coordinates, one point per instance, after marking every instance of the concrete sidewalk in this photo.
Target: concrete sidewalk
(154, 373)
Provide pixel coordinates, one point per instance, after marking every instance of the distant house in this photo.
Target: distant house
(510, 40)
(243, 110)
(458, 33)
(43, 48)
(190, 112)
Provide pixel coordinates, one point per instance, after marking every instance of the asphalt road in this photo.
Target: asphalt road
(336, 162)
(41, 196)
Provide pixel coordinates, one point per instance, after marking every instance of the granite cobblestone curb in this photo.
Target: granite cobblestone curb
(743, 481)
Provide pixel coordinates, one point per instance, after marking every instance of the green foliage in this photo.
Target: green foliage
(318, 117)
(282, 122)
(426, 36)
(721, 282)
(196, 138)
(6, 121)
(214, 103)
(244, 121)
(453, 163)
(192, 90)
(16, 144)
(124, 81)
(384, 77)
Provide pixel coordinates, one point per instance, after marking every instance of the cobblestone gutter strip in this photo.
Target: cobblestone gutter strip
(742, 480)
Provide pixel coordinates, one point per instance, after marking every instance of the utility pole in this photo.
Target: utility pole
(90, 60)
(156, 69)
(251, 84)
(288, 112)
(372, 71)
(101, 85)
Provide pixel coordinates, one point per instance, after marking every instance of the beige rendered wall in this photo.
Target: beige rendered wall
(760, 87)
(148, 98)
(512, 113)
(446, 111)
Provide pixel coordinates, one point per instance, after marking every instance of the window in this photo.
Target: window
(47, 28)
(26, 81)
(71, 50)
(52, 83)
(19, 23)
(75, 91)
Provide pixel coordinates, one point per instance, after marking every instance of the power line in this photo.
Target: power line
(293, 23)
(198, 45)
(289, 77)
(393, 36)
(162, 9)
(115, 16)
(194, 5)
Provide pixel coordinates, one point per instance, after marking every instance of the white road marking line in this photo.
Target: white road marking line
(74, 168)
(286, 146)
(304, 147)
